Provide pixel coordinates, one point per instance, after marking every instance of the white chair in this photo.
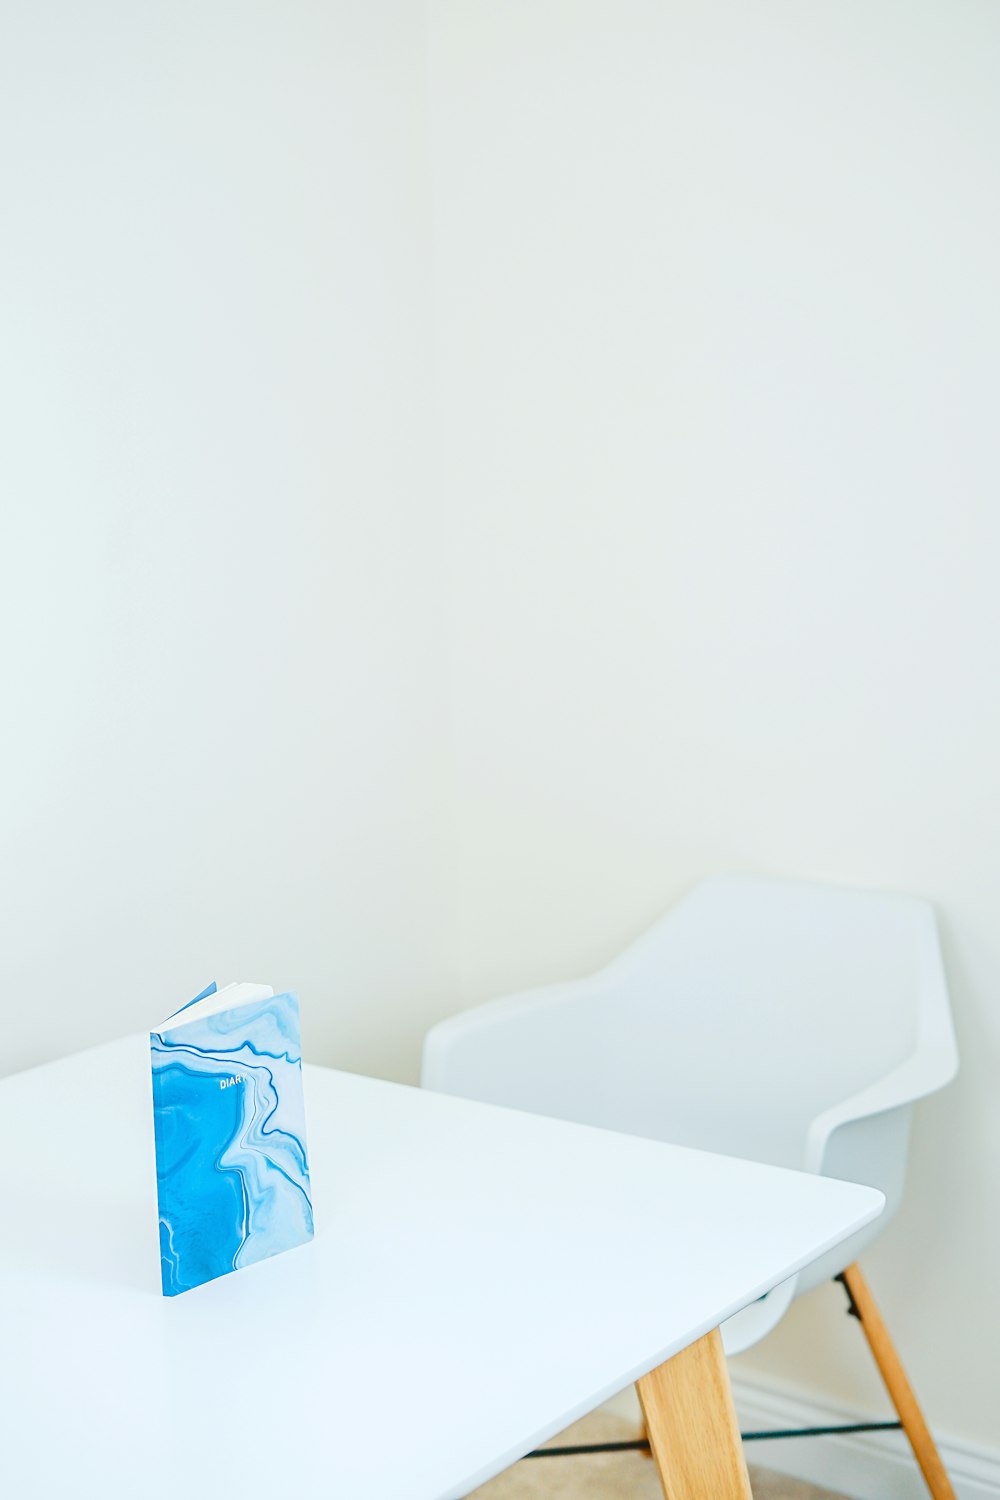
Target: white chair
(782, 1021)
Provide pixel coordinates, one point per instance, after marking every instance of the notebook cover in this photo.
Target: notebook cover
(232, 1172)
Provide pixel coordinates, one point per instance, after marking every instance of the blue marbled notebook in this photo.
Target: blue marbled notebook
(232, 1173)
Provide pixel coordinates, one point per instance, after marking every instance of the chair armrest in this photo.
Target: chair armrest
(932, 1063)
(451, 1045)
(905, 1084)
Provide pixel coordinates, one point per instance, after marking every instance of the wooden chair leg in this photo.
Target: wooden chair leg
(899, 1388)
(688, 1409)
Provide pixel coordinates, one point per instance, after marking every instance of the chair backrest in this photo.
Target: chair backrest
(731, 1024)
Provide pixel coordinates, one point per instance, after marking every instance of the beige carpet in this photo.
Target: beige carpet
(614, 1476)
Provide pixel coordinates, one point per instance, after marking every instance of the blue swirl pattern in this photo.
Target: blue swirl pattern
(232, 1172)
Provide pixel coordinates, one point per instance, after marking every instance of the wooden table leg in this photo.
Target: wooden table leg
(688, 1407)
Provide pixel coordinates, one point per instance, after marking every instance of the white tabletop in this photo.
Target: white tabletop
(479, 1279)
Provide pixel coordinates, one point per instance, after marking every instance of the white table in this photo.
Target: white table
(479, 1279)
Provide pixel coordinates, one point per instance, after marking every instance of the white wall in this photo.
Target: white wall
(221, 715)
(717, 302)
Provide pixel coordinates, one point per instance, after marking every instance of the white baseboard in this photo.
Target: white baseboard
(863, 1465)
